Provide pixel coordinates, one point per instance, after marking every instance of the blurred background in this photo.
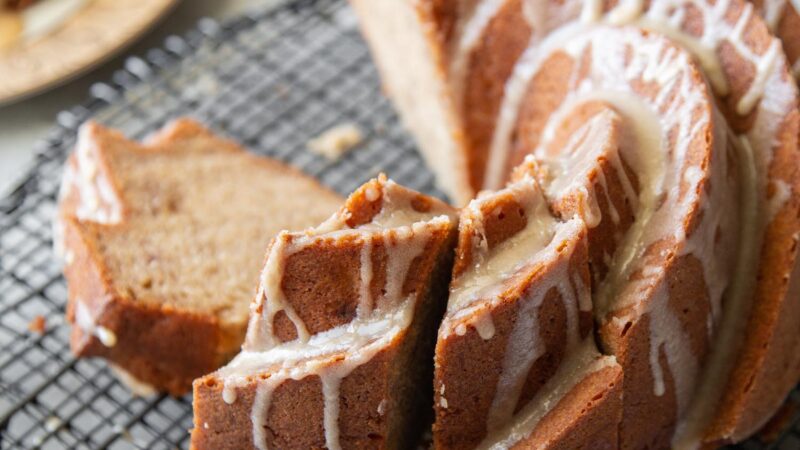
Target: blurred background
(49, 82)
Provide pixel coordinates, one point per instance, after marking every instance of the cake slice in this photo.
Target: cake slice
(515, 352)
(162, 242)
(340, 344)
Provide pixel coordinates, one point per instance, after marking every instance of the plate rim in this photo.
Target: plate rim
(59, 79)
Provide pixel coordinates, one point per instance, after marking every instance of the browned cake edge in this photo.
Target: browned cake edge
(161, 347)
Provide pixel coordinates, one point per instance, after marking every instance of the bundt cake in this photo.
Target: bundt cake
(519, 320)
(669, 128)
(161, 246)
(782, 17)
(339, 349)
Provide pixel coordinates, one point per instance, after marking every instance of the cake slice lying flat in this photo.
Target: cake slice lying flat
(340, 344)
(519, 319)
(162, 243)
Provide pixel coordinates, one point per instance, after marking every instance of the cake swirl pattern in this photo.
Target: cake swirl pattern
(670, 128)
(782, 18)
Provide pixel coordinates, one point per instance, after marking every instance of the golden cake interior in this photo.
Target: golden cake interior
(166, 235)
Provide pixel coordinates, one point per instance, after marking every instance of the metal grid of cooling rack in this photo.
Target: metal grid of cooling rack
(271, 80)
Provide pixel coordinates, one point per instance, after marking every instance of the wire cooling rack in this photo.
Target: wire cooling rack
(271, 80)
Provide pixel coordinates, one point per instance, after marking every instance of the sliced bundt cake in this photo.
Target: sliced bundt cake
(339, 348)
(516, 354)
(704, 243)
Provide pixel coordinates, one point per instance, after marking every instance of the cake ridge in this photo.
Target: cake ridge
(718, 193)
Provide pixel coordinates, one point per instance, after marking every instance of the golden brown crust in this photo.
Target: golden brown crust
(768, 364)
(788, 30)
(295, 419)
(504, 217)
(490, 64)
(463, 360)
(583, 418)
(648, 419)
(321, 282)
(161, 347)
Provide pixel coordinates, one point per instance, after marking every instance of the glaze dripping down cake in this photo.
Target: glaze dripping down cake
(340, 343)
(622, 273)
(519, 319)
(669, 129)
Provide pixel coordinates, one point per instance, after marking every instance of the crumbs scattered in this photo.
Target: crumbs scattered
(38, 325)
(121, 431)
(336, 141)
(52, 424)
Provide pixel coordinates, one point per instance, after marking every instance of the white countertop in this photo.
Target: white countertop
(23, 123)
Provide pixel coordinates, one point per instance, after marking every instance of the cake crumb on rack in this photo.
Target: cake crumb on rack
(336, 141)
(38, 324)
(52, 424)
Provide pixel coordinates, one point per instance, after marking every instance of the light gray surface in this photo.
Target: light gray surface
(22, 124)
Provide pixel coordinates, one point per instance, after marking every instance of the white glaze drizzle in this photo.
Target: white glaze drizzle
(271, 300)
(666, 17)
(689, 433)
(770, 103)
(467, 33)
(471, 291)
(569, 170)
(524, 345)
(781, 195)
(97, 199)
(660, 208)
(87, 322)
(65, 189)
(46, 16)
(584, 362)
(333, 354)
(330, 355)
(540, 16)
(773, 11)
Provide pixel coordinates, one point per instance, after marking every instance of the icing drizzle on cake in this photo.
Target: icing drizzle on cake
(333, 354)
